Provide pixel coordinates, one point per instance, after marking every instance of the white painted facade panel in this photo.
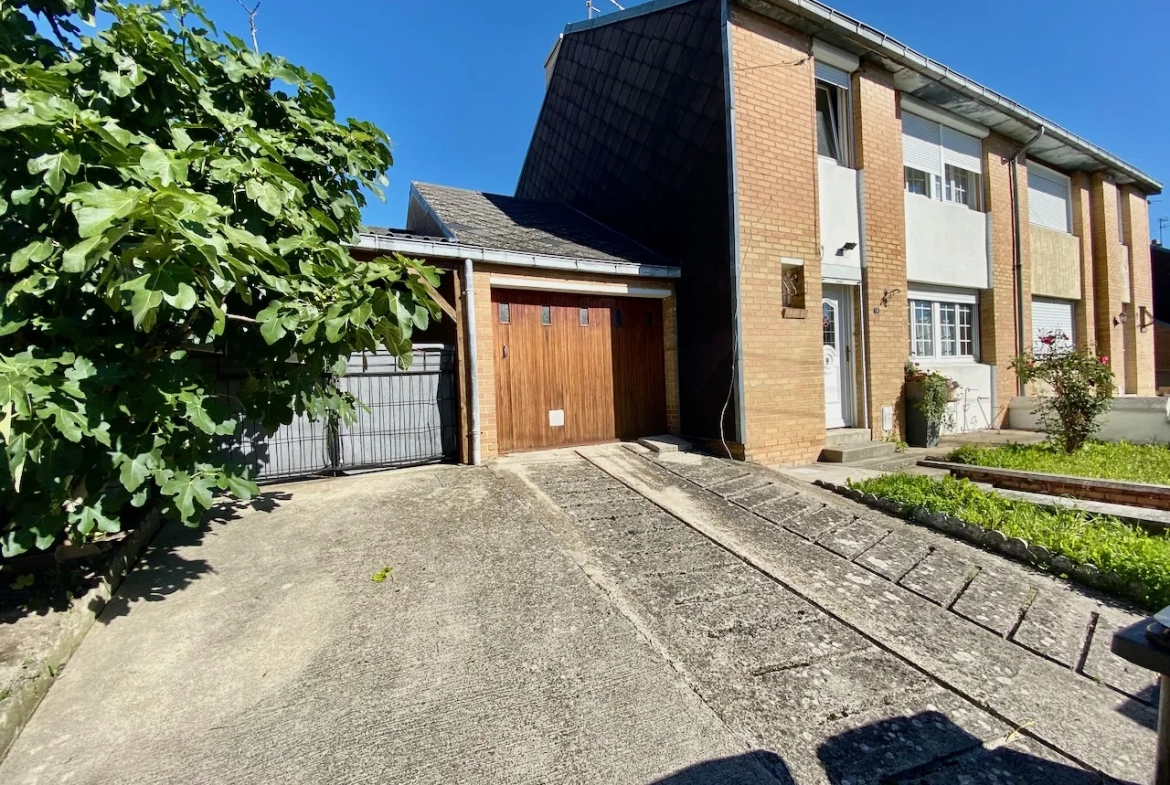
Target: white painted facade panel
(946, 244)
(840, 220)
(975, 408)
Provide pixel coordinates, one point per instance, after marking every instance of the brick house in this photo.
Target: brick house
(832, 203)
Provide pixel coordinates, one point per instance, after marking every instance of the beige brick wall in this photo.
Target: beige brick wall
(878, 130)
(670, 348)
(775, 139)
(1108, 276)
(485, 345)
(1139, 355)
(1082, 228)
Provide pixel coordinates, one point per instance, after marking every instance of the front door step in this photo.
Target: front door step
(857, 451)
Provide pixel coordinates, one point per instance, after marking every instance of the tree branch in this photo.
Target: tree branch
(251, 12)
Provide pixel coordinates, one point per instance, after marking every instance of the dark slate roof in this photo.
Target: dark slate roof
(507, 223)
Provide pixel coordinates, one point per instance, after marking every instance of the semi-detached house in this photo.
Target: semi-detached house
(792, 204)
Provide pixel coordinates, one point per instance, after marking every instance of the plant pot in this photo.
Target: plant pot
(919, 431)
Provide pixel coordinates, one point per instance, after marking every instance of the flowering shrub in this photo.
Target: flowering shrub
(1081, 388)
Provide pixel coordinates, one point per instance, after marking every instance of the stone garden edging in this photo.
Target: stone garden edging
(1132, 494)
(19, 705)
(993, 540)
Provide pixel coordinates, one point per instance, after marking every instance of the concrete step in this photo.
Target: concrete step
(896, 462)
(840, 437)
(852, 453)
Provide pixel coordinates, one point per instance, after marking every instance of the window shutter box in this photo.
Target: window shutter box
(920, 144)
(834, 76)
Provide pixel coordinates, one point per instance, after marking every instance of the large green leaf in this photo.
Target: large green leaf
(55, 166)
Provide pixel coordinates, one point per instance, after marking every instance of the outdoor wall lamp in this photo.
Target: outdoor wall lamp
(1121, 318)
(846, 247)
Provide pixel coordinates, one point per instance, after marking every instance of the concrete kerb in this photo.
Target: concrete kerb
(1134, 494)
(18, 707)
(993, 540)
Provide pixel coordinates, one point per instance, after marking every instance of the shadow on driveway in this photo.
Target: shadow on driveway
(162, 571)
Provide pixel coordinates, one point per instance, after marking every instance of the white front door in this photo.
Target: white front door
(837, 340)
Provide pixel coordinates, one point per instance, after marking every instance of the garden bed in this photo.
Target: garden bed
(1099, 551)
(1144, 463)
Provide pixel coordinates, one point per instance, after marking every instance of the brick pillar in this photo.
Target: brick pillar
(878, 128)
(485, 321)
(1082, 227)
(776, 169)
(1139, 356)
(1108, 278)
(670, 348)
(998, 343)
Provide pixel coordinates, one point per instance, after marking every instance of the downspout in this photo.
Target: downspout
(736, 386)
(1017, 247)
(472, 357)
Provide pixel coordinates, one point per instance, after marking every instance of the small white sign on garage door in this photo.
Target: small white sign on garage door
(556, 418)
(1051, 316)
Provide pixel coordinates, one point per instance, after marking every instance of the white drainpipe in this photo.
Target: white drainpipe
(472, 356)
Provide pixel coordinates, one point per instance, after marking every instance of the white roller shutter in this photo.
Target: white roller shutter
(827, 73)
(1049, 316)
(1048, 198)
(962, 150)
(921, 144)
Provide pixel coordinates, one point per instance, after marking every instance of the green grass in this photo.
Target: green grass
(1110, 545)
(1148, 463)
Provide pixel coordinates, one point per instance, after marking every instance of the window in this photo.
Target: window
(545, 315)
(941, 163)
(834, 114)
(1048, 198)
(1120, 216)
(962, 187)
(942, 329)
(584, 317)
(918, 182)
(617, 317)
(505, 313)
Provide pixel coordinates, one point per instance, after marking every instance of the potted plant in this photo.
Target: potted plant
(928, 396)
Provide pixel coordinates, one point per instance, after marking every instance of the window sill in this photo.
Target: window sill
(787, 312)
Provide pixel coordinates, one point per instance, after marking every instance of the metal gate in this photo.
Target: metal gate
(408, 419)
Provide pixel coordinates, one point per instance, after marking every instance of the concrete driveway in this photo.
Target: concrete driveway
(599, 616)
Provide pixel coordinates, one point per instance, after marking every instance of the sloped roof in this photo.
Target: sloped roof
(521, 225)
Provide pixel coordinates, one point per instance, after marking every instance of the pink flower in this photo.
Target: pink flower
(1105, 360)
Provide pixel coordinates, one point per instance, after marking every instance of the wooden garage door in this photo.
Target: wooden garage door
(574, 369)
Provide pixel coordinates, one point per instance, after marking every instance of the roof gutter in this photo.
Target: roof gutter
(884, 45)
(438, 249)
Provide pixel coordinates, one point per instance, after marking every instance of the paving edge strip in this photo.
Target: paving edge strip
(19, 706)
(1013, 548)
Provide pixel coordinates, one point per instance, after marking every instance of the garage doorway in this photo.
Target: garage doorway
(576, 369)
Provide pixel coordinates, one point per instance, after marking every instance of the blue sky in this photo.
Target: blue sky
(458, 84)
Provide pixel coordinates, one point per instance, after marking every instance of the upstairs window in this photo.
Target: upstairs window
(1049, 202)
(834, 114)
(942, 163)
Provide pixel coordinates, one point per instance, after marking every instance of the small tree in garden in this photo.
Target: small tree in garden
(167, 196)
(1080, 388)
